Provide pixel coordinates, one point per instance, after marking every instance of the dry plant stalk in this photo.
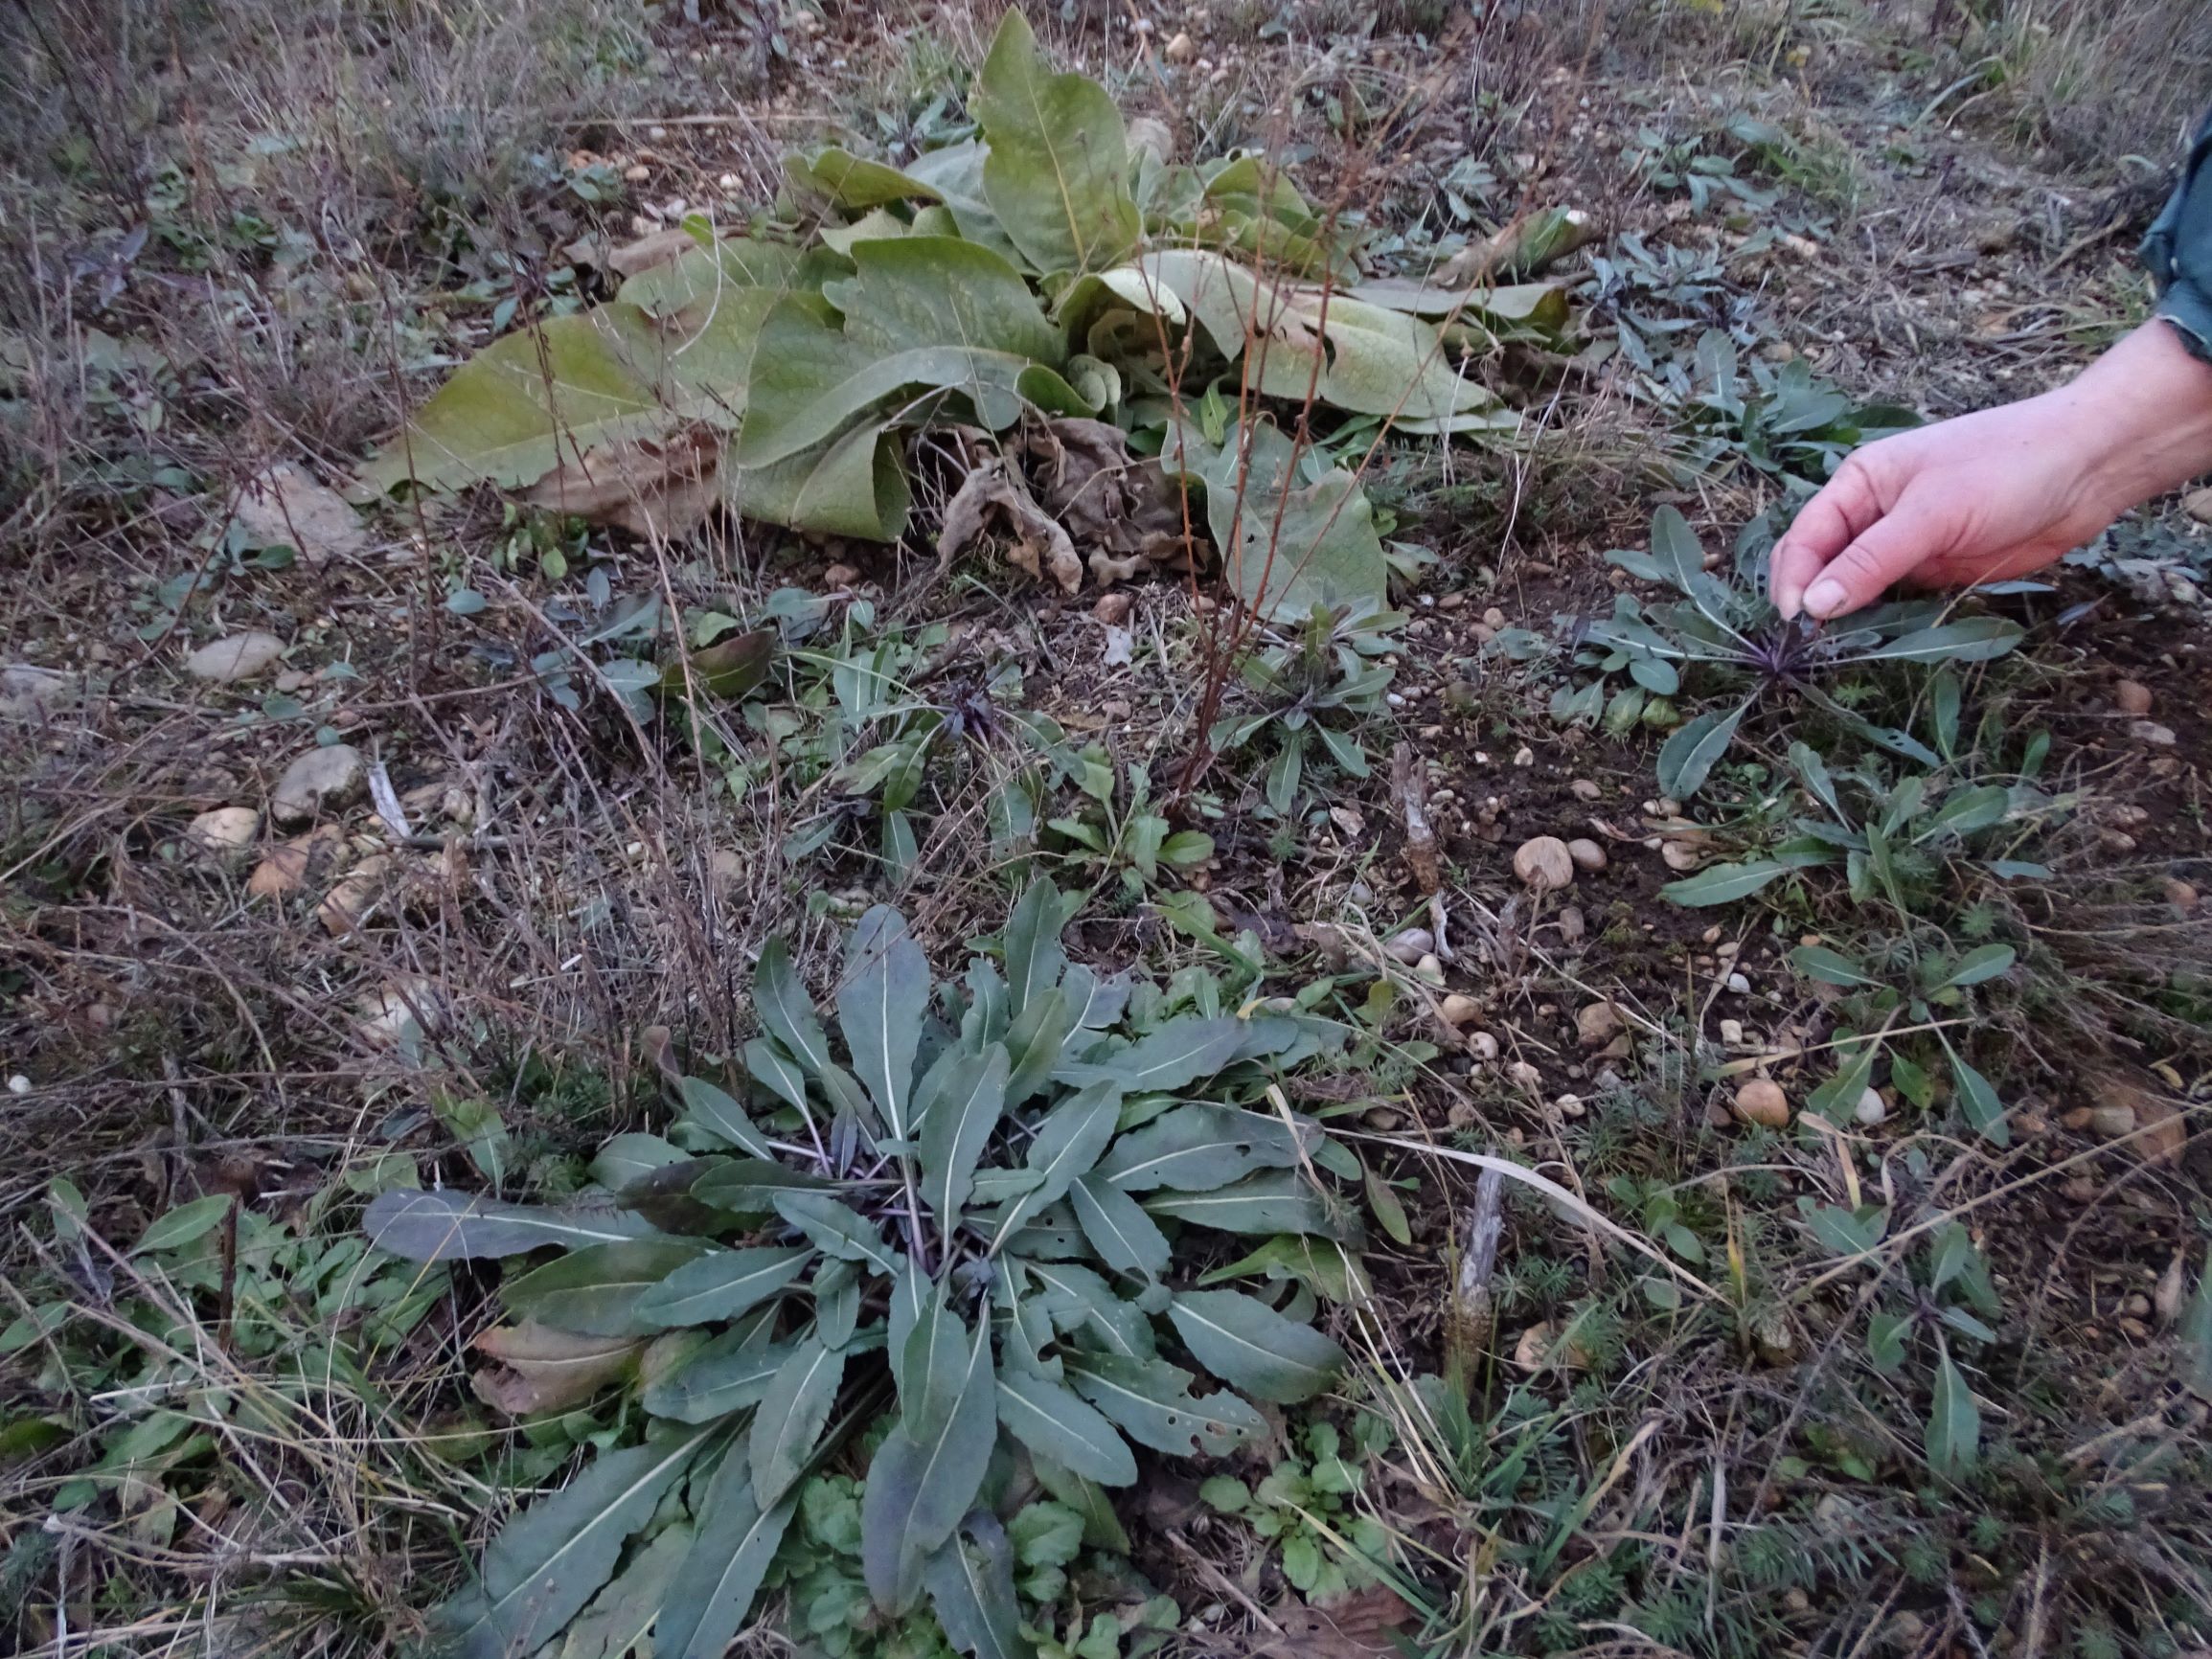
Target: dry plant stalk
(1471, 1318)
(1409, 788)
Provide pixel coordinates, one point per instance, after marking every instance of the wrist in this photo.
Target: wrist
(2141, 415)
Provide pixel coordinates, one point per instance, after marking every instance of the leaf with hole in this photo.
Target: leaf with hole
(1152, 1402)
(1251, 1347)
(1053, 1421)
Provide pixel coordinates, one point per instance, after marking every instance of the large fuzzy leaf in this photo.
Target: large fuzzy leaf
(959, 1104)
(1195, 1149)
(732, 1545)
(1125, 1238)
(1289, 546)
(1151, 1400)
(791, 1414)
(720, 1285)
(847, 181)
(971, 1584)
(1057, 174)
(881, 1007)
(854, 485)
(551, 1560)
(1249, 1346)
(690, 288)
(919, 1488)
(599, 1292)
(447, 1226)
(523, 404)
(1053, 1423)
(921, 291)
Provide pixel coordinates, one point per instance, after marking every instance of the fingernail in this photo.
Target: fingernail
(1826, 598)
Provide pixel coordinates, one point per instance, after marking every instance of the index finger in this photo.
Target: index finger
(1823, 527)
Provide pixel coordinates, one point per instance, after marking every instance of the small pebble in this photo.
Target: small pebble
(19, 1085)
(1544, 863)
(2131, 697)
(1429, 970)
(1732, 1031)
(1459, 1009)
(2110, 1123)
(1761, 1101)
(2151, 733)
(1572, 924)
(1597, 1025)
(1525, 1075)
(1738, 985)
(2180, 895)
(1411, 946)
(1482, 1045)
(1680, 855)
(1871, 1109)
(1587, 854)
(1583, 789)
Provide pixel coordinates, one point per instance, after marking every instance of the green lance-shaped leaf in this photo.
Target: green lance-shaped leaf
(1722, 883)
(732, 1371)
(919, 1488)
(791, 1418)
(1177, 1054)
(1068, 1144)
(715, 1109)
(971, 1584)
(1687, 758)
(552, 1559)
(720, 1285)
(1053, 1423)
(959, 1104)
(1978, 1097)
(733, 1542)
(620, 1616)
(739, 1185)
(525, 403)
(1084, 1304)
(1817, 962)
(2193, 1338)
(1034, 1039)
(1953, 1423)
(855, 484)
(1057, 174)
(447, 1226)
(1274, 1201)
(1251, 1347)
(598, 1291)
(1151, 1400)
(1975, 640)
(934, 1369)
(1195, 1149)
(1985, 962)
(774, 1070)
(1034, 958)
(880, 1006)
(786, 1010)
(1125, 1238)
(1836, 1099)
(837, 1229)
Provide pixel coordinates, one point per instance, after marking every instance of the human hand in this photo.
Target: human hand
(2001, 491)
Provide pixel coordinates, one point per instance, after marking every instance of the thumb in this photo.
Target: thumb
(1887, 550)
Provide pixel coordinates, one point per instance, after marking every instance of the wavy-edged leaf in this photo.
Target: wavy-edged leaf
(715, 1109)
(1053, 1421)
(1177, 1054)
(791, 1414)
(1034, 958)
(1096, 1000)
(1057, 172)
(847, 181)
(970, 1585)
(449, 1226)
(540, 1369)
(1152, 1402)
(768, 1065)
(720, 1285)
(1197, 1148)
(1276, 1202)
(1688, 757)
(1836, 1099)
(1251, 1347)
(1102, 1527)
(935, 1368)
(1722, 883)
(730, 1373)
(596, 1291)
(1966, 811)
(551, 1560)
(920, 291)
(1125, 1238)
(836, 1288)
(1068, 1144)
(732, 1544)
(837, 1229)
(919, 1488)
(881, 1008)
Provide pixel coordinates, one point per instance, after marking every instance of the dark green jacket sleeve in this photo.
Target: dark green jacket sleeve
(2178, 250)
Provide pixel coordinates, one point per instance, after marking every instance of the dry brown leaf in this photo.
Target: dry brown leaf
(646, 485)
(1124, 509)
(658, 248)
(1353, 1626)
(285, 870)
(540, 1369)
(285, 505)
(1040, 546)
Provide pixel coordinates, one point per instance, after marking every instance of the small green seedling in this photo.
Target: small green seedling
(1306, 1508)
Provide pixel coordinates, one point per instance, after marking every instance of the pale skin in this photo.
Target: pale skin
(2002, 491)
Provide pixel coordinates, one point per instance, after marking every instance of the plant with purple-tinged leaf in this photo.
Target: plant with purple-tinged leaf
(1728, 634)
